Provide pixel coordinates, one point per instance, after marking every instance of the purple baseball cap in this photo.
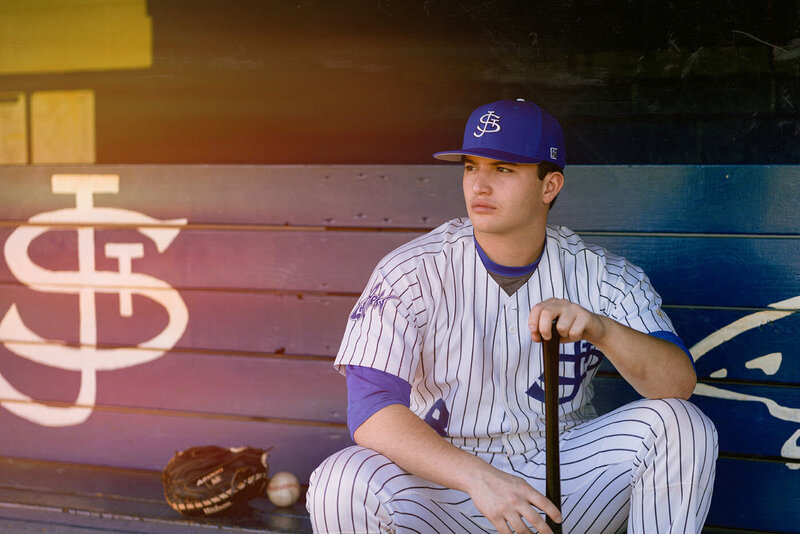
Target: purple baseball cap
(516, 131)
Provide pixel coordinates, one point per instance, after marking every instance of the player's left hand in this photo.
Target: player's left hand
(574, 322)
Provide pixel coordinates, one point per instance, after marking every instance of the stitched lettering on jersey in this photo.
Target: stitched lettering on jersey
(584, 359)
(438, 417)
(375, 299)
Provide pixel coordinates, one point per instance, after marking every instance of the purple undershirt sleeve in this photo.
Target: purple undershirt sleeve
(369, 390)
(673, 338)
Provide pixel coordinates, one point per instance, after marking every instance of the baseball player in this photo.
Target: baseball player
(443, 359)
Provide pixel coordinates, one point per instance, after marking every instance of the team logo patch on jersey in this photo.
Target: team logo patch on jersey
(438, 417)
(490, 123)
(585, 359)
(375, 299)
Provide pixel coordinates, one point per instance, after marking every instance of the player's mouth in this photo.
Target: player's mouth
(482, 207)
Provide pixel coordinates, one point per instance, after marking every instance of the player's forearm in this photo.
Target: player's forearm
(654, 367)
(408, 441)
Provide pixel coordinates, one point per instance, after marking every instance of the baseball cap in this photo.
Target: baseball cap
(516, 131)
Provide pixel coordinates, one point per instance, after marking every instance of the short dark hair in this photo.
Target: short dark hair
(543, 169)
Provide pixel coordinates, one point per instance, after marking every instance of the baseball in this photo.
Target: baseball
(283, 489)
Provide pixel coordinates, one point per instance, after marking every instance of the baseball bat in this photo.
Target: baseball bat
(552, 457)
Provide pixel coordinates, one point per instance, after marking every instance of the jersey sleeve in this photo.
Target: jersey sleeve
(632, 301)
(630, 298)
(674, 339)
(370, 390)
(381, 331)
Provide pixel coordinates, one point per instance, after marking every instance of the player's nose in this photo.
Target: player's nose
(481, 183)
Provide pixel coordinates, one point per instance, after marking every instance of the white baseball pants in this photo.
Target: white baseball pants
(648, 465)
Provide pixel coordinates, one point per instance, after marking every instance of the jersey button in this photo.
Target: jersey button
(512, 329)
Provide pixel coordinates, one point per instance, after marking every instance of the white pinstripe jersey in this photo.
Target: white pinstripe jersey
(432, 315)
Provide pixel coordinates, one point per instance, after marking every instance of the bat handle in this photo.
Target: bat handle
(553, 461)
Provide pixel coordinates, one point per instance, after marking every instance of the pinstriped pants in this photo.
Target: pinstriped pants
(648, 465)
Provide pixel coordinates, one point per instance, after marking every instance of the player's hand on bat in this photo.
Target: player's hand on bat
(505, 499)
(574, 322)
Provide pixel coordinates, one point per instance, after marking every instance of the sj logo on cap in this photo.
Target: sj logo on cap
(489, 123)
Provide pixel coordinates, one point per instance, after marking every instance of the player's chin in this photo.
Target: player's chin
(486, 222)
(489, 228)
(482, 226)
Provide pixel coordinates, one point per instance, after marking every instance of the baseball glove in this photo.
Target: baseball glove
(211, 480)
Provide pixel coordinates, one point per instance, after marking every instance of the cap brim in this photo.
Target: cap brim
(458, 155)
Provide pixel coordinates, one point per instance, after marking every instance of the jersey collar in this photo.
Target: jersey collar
(503, 270)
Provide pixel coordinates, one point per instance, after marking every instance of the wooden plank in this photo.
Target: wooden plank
(218, 321)
(391, 196)
(759, 495)
(680, 198)
(148, 440)
(80, 479)
(239, 259)
(55, 496)
(636, 198)
(38, 513)
(342, 261)
(39, 519)
(746, 272)
(272, 388)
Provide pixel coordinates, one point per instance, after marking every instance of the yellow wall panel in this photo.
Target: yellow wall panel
(74, 35)
(13, 129)
(63, 127)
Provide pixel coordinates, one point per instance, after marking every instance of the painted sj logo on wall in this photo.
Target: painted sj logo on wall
(86, 358)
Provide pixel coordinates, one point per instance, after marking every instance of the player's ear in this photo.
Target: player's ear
(553, 183)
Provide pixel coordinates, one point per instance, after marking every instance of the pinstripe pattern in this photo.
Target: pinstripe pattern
(649, 464)
(433, 316)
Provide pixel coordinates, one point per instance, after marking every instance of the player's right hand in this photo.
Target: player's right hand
(506, 499)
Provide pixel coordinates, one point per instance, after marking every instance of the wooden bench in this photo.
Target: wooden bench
(220, 323)
(58, 497)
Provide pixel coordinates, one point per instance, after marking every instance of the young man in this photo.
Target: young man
(443, 358)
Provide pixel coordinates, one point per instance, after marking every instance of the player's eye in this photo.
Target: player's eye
(469, 167)
(504, 169)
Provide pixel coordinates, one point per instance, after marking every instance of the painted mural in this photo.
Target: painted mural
(769, 364)
(87, 358)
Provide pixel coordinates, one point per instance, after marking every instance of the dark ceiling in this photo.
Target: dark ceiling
(382, 81)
